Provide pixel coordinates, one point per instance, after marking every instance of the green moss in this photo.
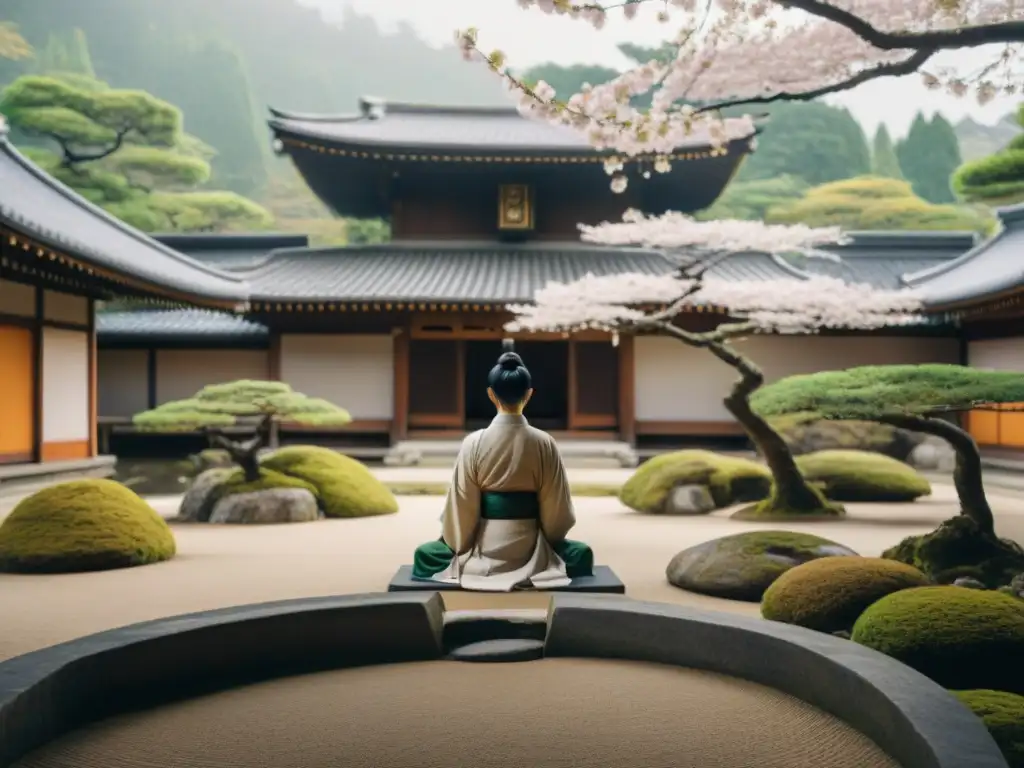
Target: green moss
(775, 509)
(958, 548)
(961, 638)
(83, 525)
(862, 476)
(729, 479)
(345, 487)
(742, 566)
(1003, 715)
(829, 594)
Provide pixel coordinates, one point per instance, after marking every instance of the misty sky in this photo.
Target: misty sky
(530, 37)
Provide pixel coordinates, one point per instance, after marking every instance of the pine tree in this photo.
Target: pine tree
(928, 156)
(883, 156)
(79, 60)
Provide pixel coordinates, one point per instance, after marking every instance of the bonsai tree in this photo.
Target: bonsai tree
(241, 403)
(918, 398)
(655, 304)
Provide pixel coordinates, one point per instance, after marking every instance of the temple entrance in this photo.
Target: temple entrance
(548, 362)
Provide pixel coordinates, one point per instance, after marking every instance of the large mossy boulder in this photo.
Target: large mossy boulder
(344, 486)
(806, 433)
(862, 476)
(742, 566)
(225, 496)
(959, 549)
(963, 639)
(83, 525)
(1003, 715)
(729, 479)
(830, 594)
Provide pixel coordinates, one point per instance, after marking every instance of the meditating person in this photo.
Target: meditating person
(508, 509)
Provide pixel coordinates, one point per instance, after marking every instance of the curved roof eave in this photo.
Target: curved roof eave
(99, 240)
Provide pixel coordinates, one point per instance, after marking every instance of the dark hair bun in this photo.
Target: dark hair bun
(510, 361)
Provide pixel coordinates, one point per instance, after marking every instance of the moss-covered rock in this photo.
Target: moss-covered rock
(831, 593)
(344, 486)
(744, 565)
(862, 476)
(957, 548)
(83, 525)
(963, 639)
(729, 479)
(1003, 715)
(806, 433)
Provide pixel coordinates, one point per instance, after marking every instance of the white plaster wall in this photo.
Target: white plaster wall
(355, 372)
(679, 383)
(66, 407)
(123, 381)
(180, 373)
(65, 308)
(17, 299)
(996, 354)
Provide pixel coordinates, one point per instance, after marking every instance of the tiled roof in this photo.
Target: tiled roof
(480, 272)
(994, 266)
(174, 325)
(387, 124)
(885, 259)
(40, 207)
(231, 252)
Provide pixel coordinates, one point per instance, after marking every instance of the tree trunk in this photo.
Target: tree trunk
(245, 453)
(792, 494)
(967, 473)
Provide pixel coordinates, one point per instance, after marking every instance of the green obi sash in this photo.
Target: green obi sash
(509, 505)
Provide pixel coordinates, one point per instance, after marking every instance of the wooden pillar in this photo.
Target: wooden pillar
(400, 408)
(274, 357)
(151, 372)
(37, 354)
(93, 383)
(627, 389)
(571, 420)
(460, 382)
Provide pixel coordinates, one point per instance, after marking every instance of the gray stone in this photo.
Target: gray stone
(273, 505)
(933, 454)
(744, 565)
(689, 500)
(490, 651)
(195, 506)
(969, 583)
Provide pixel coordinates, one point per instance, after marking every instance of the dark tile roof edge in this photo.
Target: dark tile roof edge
(231, 241)
(917, 279)
(241, 295)
(1011, 214)
(918, 240)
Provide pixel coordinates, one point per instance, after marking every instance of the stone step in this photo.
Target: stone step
(593, 453)
(495, 636)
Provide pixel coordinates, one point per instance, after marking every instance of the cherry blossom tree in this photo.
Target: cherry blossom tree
(653, 304)
(735, 52)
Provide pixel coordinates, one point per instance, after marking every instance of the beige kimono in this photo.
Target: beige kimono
(499, 555)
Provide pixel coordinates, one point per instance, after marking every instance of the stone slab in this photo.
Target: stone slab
(604, 580)
(48, 692)
(913, 719)
(499, 650)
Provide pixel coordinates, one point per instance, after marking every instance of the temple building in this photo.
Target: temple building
(483, 206)
(982, 292)
(59, 255)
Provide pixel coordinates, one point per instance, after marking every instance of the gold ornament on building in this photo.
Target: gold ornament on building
(515, 207)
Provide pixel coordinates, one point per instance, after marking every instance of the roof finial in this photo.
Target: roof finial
(371, 107)
(4, 128)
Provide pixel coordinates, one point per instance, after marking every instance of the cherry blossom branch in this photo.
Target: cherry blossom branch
(906, 67)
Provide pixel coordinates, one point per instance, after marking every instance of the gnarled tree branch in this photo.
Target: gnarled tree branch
(70, 158)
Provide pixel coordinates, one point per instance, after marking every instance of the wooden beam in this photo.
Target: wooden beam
(400, 412)
(37, 343)
(274, 357)
(151, 373)
(627, 388)
(572, 422)
(93, 383)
